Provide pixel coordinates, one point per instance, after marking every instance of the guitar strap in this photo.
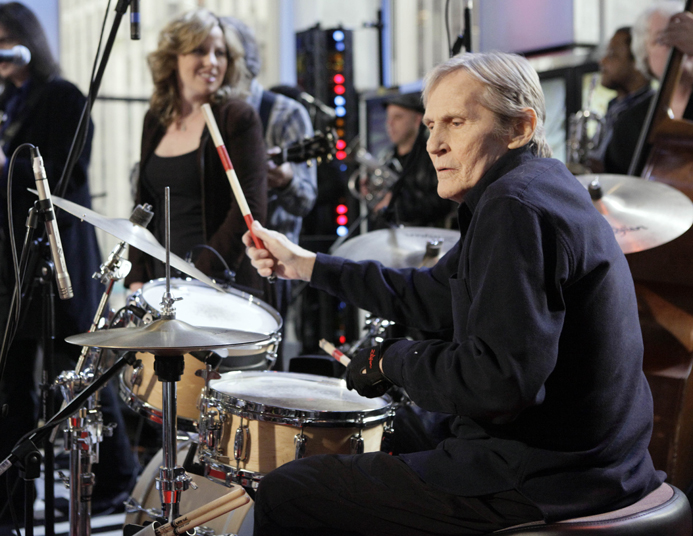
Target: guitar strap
(266, 104)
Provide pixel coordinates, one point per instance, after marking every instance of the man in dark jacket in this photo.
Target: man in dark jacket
(546, 340)
(412, 200)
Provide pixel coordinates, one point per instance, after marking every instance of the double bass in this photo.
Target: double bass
(664, 285)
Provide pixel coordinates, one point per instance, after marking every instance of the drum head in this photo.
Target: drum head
(298, 394)
(203, 306)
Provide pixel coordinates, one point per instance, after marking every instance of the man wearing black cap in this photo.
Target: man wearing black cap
(414, 199)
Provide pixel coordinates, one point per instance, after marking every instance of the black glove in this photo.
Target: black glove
(363, 373)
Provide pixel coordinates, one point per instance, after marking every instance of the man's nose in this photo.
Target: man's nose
(436, 143)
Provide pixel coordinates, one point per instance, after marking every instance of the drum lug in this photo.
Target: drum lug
(356, 443)
(300, 443)
(241, 443)
(212, 428)
(387, 441)
(136, 375)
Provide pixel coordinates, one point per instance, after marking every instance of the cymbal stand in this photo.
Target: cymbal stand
(86, 429)
(173, 479)
(375, 330)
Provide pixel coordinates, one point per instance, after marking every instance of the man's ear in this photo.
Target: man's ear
(524, 129)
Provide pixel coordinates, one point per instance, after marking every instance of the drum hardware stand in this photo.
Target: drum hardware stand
(85, 431)
(173, 479)
(376, 329)
(386, 443)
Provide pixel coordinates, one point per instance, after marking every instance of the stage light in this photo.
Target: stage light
(339, 90)
(339, 100)
(342, 231)
(340, 111)
(341, 144)
(338, 78)
(342, 209)
(338, 35)
(342, 220)
(341, 155)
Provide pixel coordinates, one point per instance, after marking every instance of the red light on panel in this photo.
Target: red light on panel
(338, 79)
(341, 209)
(342, 219)
(341, 155)
(341, 144)
(342, 339)
(339, 90)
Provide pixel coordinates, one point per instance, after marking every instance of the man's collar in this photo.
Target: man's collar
(503, 165)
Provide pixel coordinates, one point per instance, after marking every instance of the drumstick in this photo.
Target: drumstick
(197, 521)
(230, 172)
(230, 499)
(330, 349)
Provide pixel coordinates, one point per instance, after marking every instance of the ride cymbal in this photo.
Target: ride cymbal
(166, 337)
(401, 247)
(643, 214)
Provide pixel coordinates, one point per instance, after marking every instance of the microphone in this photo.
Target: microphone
(135, 19)
(19, 55)
(62, 278)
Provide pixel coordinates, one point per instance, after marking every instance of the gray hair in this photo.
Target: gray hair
(666, 8)
(247, 39)
(512, 86)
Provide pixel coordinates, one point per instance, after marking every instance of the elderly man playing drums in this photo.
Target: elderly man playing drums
(544, 372)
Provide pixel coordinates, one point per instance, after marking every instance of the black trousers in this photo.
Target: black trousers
(374, 494)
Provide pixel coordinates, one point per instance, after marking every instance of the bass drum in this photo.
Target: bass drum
(199, 306)
(144, 504)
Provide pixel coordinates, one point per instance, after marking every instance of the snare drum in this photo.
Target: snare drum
(200, 306)
(253, 422)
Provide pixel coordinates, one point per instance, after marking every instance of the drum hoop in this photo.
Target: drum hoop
(148, 411)
(139, 294)
(259, 411)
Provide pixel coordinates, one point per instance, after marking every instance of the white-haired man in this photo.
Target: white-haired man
(546, 340)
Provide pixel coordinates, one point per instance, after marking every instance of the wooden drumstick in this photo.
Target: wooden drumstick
(230, 172)
(330, 349)
(204, 513)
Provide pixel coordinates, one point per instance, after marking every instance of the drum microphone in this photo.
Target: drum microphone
(135, 20)
(19, 55)
(62, 278)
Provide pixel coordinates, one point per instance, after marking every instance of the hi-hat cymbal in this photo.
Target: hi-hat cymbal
(135, 235)
(166, 337)
(402, 247)
(643, 214)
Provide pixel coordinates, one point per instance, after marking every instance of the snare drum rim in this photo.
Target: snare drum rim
(176, 281)
(250, 409)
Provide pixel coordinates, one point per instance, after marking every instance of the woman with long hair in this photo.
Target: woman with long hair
(199, 61)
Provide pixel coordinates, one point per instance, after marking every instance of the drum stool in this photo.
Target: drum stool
(665, 511)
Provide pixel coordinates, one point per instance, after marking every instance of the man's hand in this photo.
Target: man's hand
(278, 176)
(365, 375)
(281, 256)
(679, 33)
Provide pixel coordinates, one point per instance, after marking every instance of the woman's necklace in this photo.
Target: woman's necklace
(184, 121)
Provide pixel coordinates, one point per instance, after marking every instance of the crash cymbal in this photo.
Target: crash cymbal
(643, 214)
(135, 235)
(166, 337)
(402, 247)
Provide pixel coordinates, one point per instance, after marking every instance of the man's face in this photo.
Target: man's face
(462, 142)
(402, 124)
(617, 65)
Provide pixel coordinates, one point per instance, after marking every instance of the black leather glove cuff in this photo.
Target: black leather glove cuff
(363, 373)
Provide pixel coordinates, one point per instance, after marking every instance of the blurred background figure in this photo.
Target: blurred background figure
(413, 199)
(651, 52)
(632, 86)
(292, 186)
(41, 108)
(199, 61)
